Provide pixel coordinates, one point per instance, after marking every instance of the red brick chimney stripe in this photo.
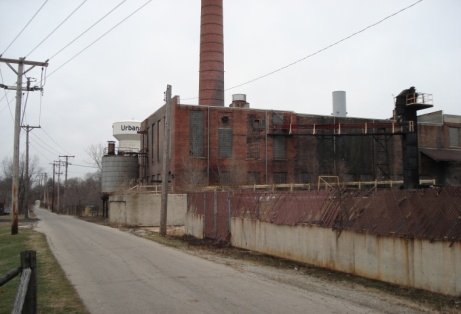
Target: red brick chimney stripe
(211, 73)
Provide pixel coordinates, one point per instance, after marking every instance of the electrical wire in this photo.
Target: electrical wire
(73, 12)
(42, 83)
(54, 140)
(6, 96)
(39, 151)
(24, 108)
(45, 145)
(327, 47)
(25, 26)
(84, 32)
(111, 29)
(319, 51)
(83, 166)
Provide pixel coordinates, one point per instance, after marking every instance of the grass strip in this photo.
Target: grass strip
(55, 293)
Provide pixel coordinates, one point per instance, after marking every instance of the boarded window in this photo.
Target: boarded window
(253, 146)
(253, 178)
(277, 119)
(224, 178)
(259, 124)
(453, 134)
(304, 177)
(225, 143)
(280, 177)
(196, 133)
(280, 147)
(254, 128)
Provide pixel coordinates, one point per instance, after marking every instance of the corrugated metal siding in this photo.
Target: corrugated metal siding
(432, 214)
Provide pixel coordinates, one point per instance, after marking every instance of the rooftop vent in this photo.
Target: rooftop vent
(239, 101)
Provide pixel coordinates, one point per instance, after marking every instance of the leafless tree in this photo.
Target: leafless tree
(95, 152)
(237, 172)
(231, 172)
(194, 175)
(82, 192)
(34, 169)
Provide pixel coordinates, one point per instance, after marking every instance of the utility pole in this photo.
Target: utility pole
(20, 72)
(58, 209)
(65, 178)
(43, 181)
(26, 179)
(165, 166)
(45, 192)
(52, 190)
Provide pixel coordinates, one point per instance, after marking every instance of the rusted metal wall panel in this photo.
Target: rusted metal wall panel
(210, 215)
(432, 214)
(222, 216)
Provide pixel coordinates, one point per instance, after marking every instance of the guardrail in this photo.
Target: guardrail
(324, 182)
(26, 296)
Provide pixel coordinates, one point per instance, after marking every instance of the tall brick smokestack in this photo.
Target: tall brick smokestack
(211, 78)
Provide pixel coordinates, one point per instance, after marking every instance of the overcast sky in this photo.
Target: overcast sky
(124, 74)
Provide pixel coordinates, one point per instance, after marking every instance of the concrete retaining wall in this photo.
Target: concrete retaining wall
(194, 225)
(144, 209)
(411, 262)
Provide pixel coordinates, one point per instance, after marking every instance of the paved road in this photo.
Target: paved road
(116, 272)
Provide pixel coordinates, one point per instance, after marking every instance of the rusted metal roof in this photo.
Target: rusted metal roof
(442, 154)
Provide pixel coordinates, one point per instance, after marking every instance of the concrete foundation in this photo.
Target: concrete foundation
(144, 209)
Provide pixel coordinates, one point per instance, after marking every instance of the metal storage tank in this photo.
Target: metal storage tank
(118, 172)
(339, 104)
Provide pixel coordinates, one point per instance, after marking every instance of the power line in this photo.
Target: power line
(53, 140)
(40, 152)
(58, 26)
(6, 96)
(319, 51)
(25, 26)
(97, 22)
(111, 29)
(84, 166)
(327, 47)
(45, 146)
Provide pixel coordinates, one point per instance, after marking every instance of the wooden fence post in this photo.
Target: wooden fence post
(28, 260)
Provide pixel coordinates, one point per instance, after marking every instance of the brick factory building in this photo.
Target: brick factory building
(216, 145)
(237, 145)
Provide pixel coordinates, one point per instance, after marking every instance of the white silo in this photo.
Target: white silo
(339, 104)
(126, 132)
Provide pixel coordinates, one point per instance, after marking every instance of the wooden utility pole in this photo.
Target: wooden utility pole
(43, 181)
(58, 208)
(52, 190)
(17, 128)
(26, 179)
(165, 165)
(65, 178)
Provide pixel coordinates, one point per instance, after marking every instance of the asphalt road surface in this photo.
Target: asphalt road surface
(117, 272)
